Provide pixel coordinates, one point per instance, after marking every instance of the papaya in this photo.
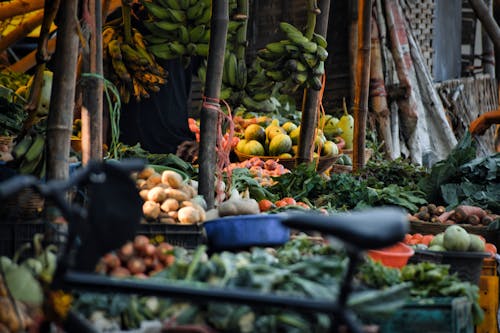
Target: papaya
(294, 135)
(253, 147)
(255, 132)
(241, 144)
(289, 127)
(280, 144)
(346, 124)
(329, 148)
(273, 131)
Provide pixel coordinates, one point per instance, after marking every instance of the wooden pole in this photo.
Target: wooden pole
(309, 119)
(353, 45)
(93, 92)
(59, 122)
(209, 111)
(487, 21)
(488, 57)
(21, 30)
(362, 83)
(19, 7)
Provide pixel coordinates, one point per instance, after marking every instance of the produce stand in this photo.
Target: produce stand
(271, 98)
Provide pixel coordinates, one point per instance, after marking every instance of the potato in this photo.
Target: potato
(146, 173)
(153, 180)
(144, 194)
(173, 214)
(141, 184)
(176, 194)
(169, 205)
(189, 190)
(172, 178)
(157, 194)
(151, 210)
(188, 215)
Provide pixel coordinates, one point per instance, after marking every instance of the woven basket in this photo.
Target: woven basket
(6, 140)
(26, 205)
(325, 162)
(431, 228)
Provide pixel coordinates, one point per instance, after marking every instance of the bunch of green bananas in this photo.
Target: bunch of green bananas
(29, 153)
(296, 61)
(179, 28)
(130, 66)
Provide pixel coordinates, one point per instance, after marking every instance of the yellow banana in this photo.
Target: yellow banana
(114, 49)
(120, 69)
(107, 35)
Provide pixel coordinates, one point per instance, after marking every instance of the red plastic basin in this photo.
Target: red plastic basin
(394, 256)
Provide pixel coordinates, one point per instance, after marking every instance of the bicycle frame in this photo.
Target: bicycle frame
(356, 239)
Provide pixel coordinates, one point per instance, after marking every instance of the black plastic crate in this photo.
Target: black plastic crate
(14, 234)
(186, 235)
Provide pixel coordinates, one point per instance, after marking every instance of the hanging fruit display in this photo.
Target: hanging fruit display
(128, 63)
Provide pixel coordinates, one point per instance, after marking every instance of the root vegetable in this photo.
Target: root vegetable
(489, 218)
(163, 250)
(169, 205)
(424, 215)
(440, 210)
(473, 219)
(136, 265)
(126, 251)
(412, 218)
(188, 215)
(151, 210)
(140, 243)
(153, 180)
(173, 214)
(176, 194)
(149, 250)
(146, 173)
(446, 216)
(157, 194)
(171, 178)
(144, 194)
(120, 272)
(111, 261)
(141, 184)
(463, 212)
(431, 208)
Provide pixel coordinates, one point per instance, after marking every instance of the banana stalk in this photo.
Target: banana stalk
(127, 22)
(312, 12)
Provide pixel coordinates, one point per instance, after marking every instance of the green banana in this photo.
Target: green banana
(298, 39)
(259, 97)
(184, 4)
(183, 35)
(154, 39)
(275, 75)
(241, 75)
(195, 11)
(299, 77)
(276, 48)
(205, 17)
(206, 37)
(131, 55)
(174, 4)
(28, 167)
(315, 82)
(202, 50)
(232, 26)
(265, 54)
(196, 33)
(309, 59)
(114, 49)
(292, 50)
(167, 25)
(176, 16)
(22, 146)
(320, 40)
(202, 73)
(156, 10)
(319, 69)
(309, 46)
(322, 53)
(226, 93)
(288, 28)
(225, 69)
(232, 69)
(35, 149)
(264, 106)
(177, 48)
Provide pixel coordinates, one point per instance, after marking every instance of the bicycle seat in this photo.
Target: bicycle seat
(369, 229)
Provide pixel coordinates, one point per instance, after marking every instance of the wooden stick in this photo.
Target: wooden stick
(18, 7)
(487, 21)
(21, 30)
(209, 113)
(29, 61)
(362, 84)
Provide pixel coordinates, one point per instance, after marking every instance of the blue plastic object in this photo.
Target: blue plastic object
(244, 231)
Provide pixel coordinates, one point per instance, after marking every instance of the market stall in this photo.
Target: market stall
(243, 212)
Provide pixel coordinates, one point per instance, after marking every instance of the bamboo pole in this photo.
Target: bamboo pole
(209, 112)
(19, 7)
(309, 117)
(21, 30)
(362, 84)
(488, 56)
(93, 94)
(353, 44)
(59, 123)
(378, 93)
(487, 21)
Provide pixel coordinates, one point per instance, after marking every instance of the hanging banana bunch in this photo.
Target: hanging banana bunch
(296, 61)
(178, 28)
(29, 154)
(129, 65)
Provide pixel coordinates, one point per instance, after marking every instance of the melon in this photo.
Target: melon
(330, 149)
(436, 248)
(437, 240)
(253, 147)
(289, 127)
(285, 155)
(273, 131)
(255, 132)
(241, 144)
(456, 238)
(294, 135)
(280, 144)
(476, 243)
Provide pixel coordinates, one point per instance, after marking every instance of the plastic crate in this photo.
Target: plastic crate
(488, 300)
(15, 234)
(489, 267)
(467, 265)
(186, 235)
(432, 315)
